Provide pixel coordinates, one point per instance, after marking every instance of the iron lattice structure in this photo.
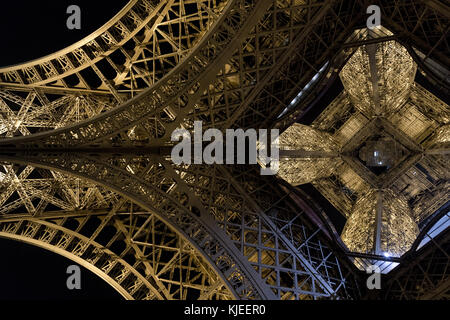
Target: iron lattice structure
(84, 165)
(372, 153)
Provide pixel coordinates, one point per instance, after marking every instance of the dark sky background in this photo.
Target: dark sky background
(28, 272)
(31, 29)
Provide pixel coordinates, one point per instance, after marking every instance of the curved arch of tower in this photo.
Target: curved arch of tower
(85, 167)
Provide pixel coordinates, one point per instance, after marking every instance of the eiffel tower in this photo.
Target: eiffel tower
(86, 172)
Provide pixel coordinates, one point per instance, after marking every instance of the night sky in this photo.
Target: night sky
(31, 29)
(28, 272)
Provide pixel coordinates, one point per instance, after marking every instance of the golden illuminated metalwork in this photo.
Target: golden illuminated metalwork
(376, 152)
(306, 138)
(378, 78)
(312, 165)
(209, 232)
(381, 222)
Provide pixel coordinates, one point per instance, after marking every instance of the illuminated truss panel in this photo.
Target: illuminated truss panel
(422, 115)
(343, 188)
(382, 224)
(352, 180)
(25, 113)
(429, 105)
(442, 136)
(301, 171)
(301, 137)
(378, 78)
(412, 122)
(305, 166)
(355, 123)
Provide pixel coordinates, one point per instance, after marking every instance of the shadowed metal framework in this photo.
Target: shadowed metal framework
(85, 170)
